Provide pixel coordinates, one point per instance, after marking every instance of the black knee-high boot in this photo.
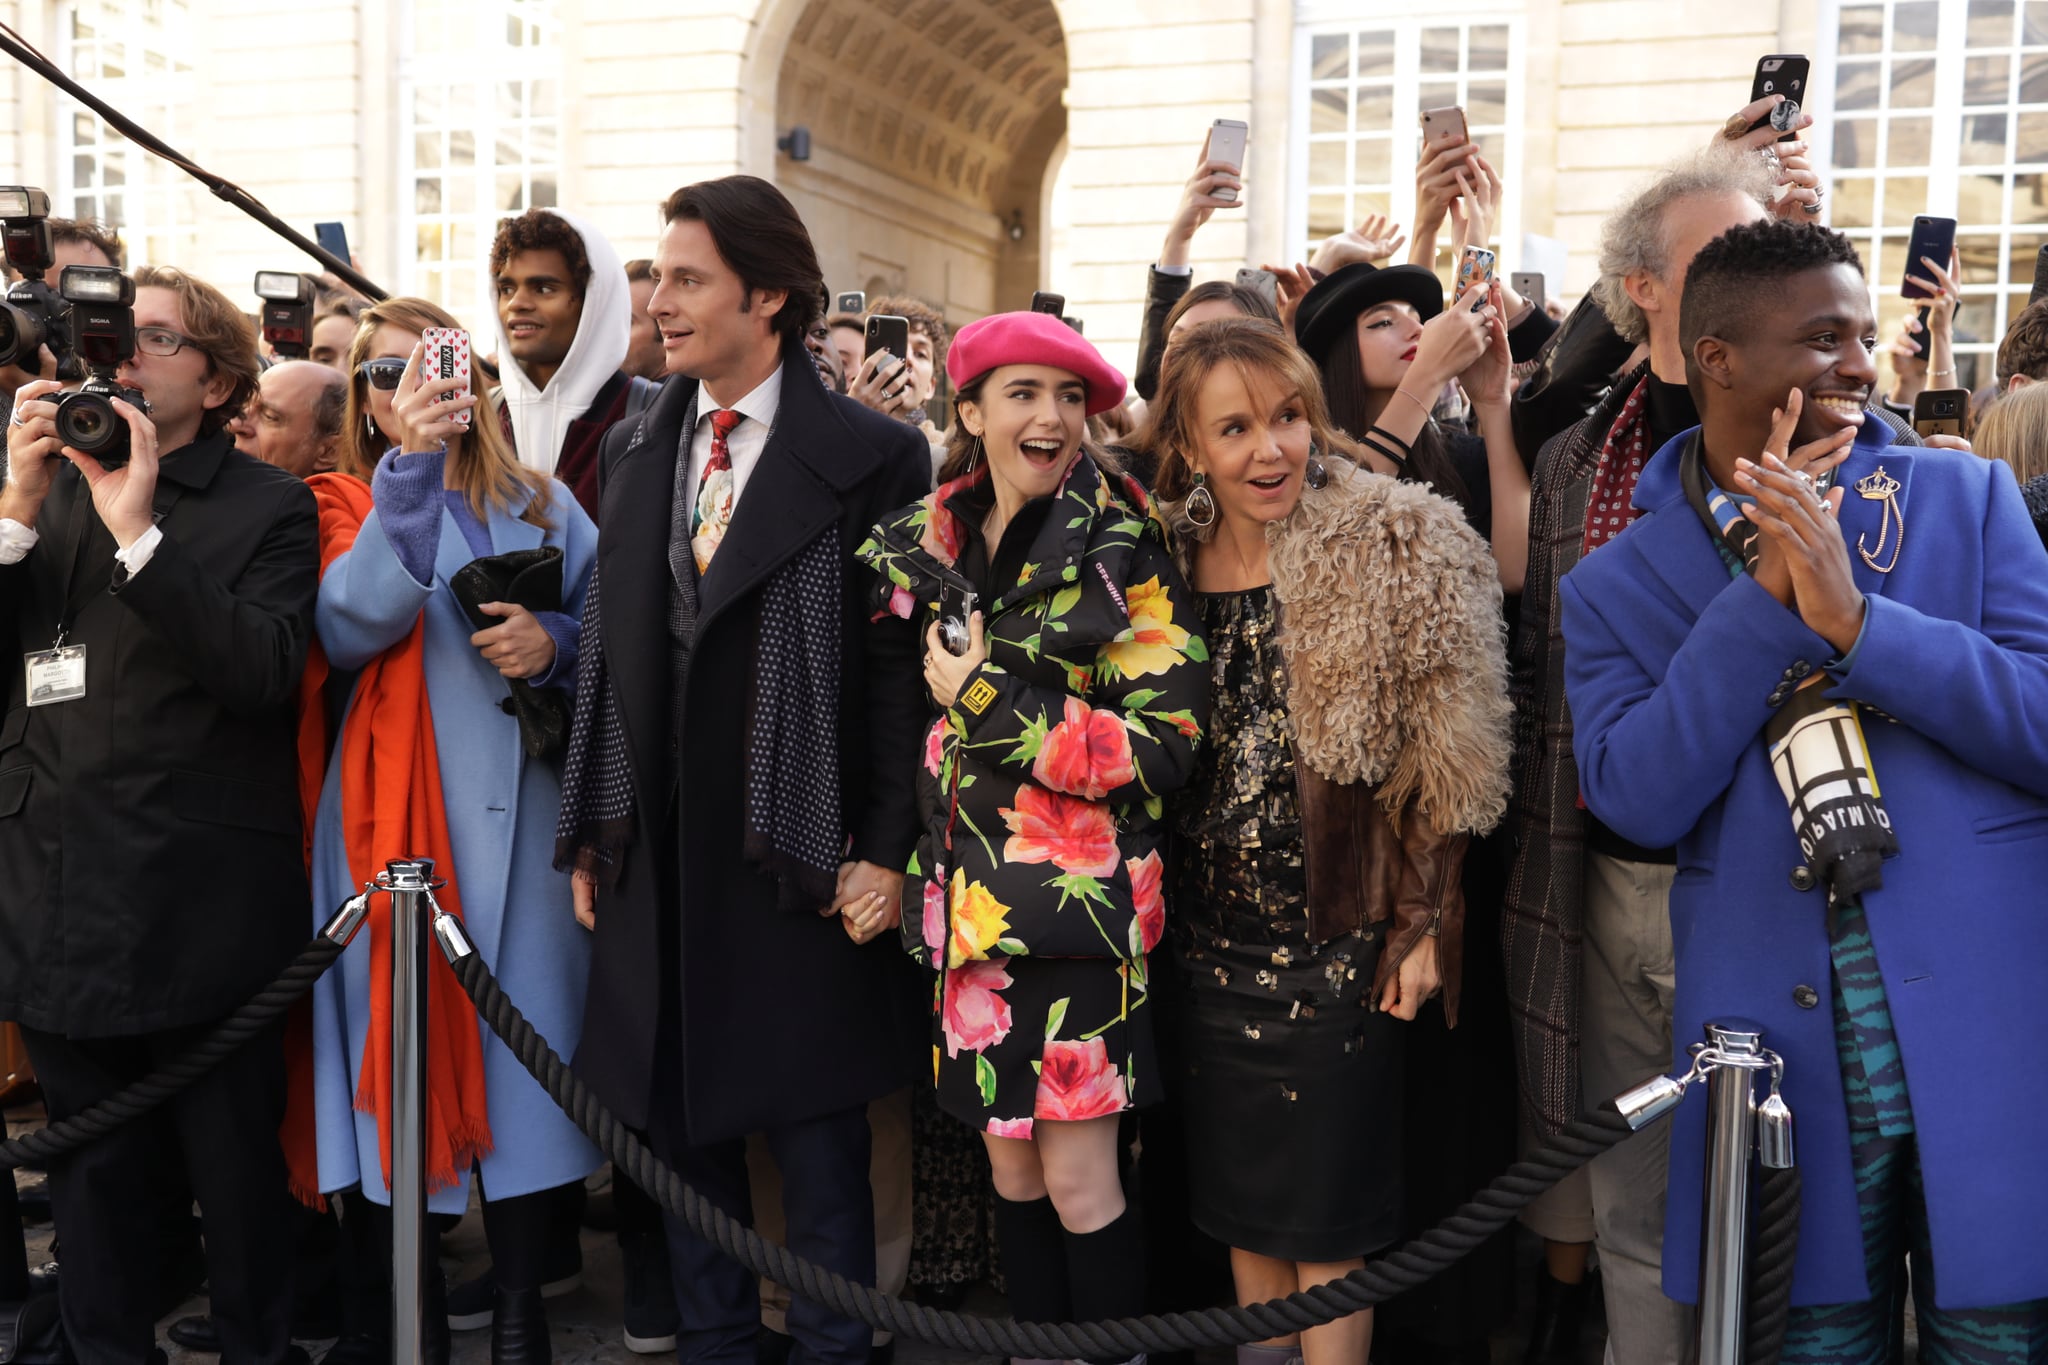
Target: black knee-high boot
(1106, 1273)
(1034, 1248)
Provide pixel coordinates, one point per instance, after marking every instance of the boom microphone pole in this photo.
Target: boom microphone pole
(17, 47)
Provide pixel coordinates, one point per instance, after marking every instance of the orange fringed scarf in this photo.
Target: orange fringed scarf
(391, 808)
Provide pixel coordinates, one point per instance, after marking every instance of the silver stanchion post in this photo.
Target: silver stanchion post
(409, 881)
(1736, 1054)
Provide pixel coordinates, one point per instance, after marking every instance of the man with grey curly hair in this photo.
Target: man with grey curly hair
(1585, 929)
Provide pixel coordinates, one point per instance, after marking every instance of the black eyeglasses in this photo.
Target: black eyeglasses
(382, 374)
(162, 341)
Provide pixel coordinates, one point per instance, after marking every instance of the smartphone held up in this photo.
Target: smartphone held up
(1228, 138)
(445, 355)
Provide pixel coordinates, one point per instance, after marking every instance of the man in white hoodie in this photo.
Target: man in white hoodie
(564, 317)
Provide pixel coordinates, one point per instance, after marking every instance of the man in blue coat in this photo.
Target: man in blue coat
(1874, 642)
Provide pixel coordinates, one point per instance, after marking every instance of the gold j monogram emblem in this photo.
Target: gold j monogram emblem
(1882, 487)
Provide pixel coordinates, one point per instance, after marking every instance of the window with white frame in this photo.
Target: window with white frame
(485, 137)
(1941, 107)
(135, 54)
(1358, 109)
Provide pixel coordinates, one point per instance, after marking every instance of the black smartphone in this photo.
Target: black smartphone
(1529, 284)
(1941, 412)
(854, 301)
(1781, 73)
(333, 239)
(1934, 238)
(1043, 302)
(889, 333)
(2040, 290)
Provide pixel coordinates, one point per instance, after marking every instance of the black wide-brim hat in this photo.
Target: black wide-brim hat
(1337, 299)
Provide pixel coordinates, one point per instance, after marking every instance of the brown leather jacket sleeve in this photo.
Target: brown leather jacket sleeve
(1430, 892)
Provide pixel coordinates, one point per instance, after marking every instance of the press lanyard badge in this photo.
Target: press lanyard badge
(56, 675)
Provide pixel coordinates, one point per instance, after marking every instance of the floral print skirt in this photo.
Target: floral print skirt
(1025, 1038)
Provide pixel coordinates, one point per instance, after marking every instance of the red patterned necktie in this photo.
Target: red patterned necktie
(713, 512)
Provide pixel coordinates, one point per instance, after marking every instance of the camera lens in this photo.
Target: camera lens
(954, 636)
(87, 422)
(19, 336)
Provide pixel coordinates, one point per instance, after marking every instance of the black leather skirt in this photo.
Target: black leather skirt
(1292, 1093)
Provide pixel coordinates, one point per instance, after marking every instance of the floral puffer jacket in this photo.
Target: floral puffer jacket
(1043, 787)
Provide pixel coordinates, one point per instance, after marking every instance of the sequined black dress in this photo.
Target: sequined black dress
(1293, 1083)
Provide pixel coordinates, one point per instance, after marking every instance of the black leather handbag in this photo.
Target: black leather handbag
(530, 579)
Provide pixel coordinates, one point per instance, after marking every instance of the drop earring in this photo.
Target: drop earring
(1201, 503)
(974, 456)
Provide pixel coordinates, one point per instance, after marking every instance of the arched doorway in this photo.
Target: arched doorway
(932, 125)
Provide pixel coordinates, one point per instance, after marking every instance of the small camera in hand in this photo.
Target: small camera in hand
(102, 318)
(956, 609)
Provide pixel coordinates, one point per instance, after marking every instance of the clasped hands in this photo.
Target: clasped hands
(1802, 558)
(868, 901)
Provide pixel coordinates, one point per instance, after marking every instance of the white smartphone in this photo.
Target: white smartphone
(1261, 282)
(1227, 140)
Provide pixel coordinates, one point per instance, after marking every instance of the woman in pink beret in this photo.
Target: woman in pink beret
(1067, 672)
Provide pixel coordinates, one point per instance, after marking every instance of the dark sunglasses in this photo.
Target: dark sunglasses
(382, 374)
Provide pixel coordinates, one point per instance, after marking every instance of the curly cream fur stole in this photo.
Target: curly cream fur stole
(1391, 627)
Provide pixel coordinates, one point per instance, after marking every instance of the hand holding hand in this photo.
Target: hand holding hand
(123, 496)
(519, 648)
(869, 900)
(944, 672)
(424, 412)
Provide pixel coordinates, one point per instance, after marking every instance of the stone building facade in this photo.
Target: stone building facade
(970, 151)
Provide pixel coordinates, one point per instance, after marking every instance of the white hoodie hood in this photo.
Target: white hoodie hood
(541, 417)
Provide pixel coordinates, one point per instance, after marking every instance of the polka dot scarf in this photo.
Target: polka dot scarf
(1610, 502)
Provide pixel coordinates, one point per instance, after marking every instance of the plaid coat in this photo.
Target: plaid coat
(1540, 919)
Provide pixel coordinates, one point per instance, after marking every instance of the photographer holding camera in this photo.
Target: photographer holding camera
(161, 595)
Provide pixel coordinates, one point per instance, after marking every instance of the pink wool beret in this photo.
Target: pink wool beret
(1033, 339)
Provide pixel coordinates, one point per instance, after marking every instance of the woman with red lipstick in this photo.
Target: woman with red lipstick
(1358, 738)
(1070, 687)
(1386, 346)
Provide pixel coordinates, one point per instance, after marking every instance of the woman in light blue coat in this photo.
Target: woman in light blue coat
(500, 806)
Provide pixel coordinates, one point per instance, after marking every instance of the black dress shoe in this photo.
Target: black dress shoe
(519, 1329)
(1560, 1313)
(43, 1279)
(196, 1333)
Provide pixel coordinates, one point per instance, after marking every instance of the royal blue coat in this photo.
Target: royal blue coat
(501, 809)
(1670, 671)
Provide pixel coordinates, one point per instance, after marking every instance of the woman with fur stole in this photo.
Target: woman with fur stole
(1359, 738)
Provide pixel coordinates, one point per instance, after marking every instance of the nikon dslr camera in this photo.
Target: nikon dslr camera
(32, 315)
(101, 313)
